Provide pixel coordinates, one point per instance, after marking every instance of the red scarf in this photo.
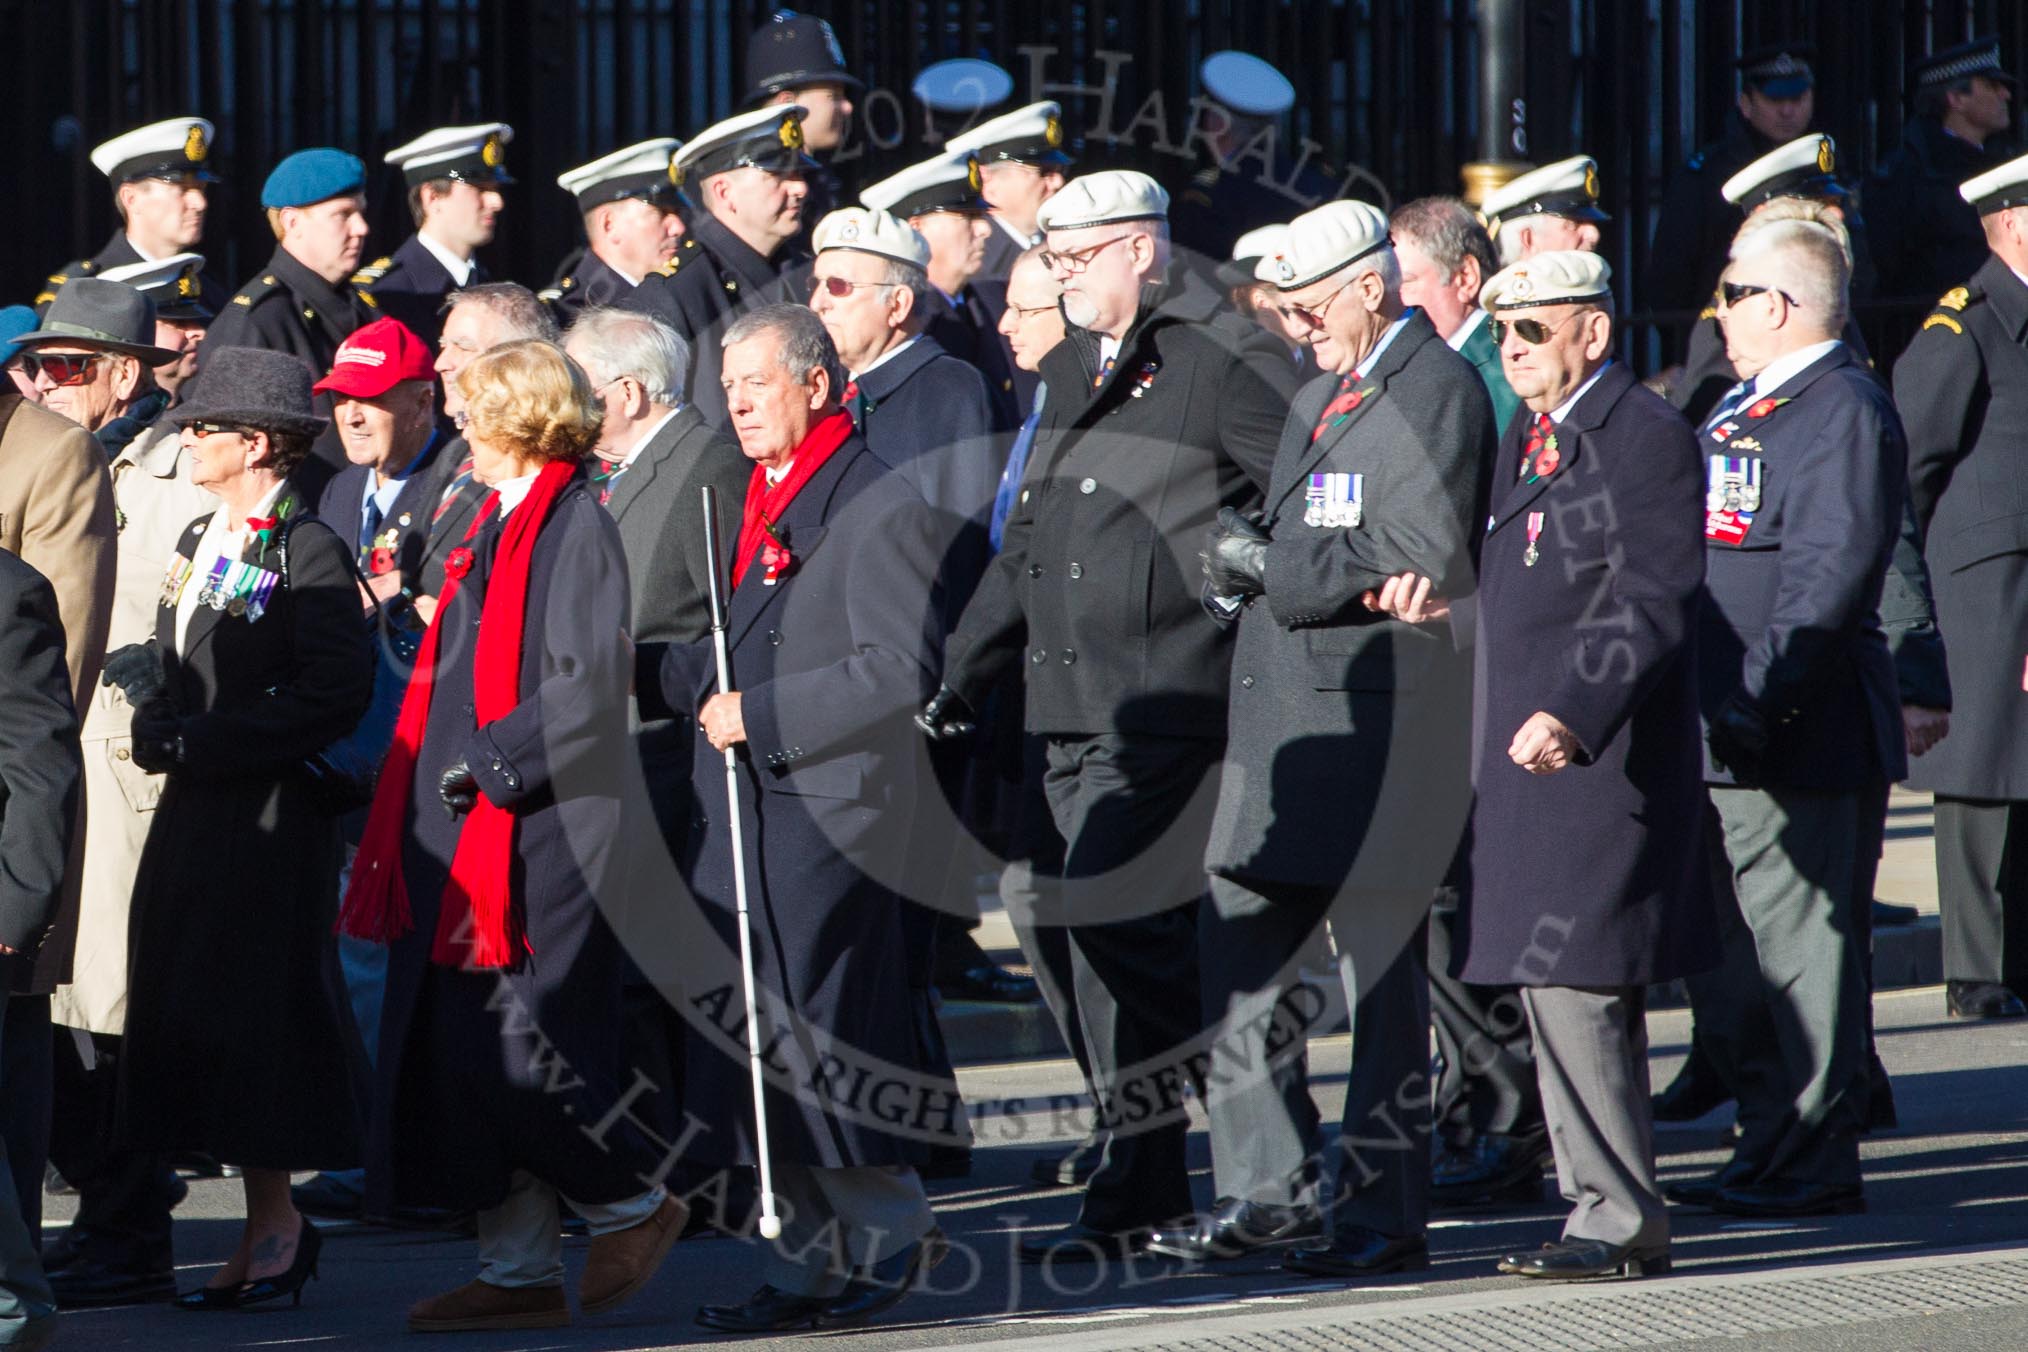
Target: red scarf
(476, 924)
(765, 502)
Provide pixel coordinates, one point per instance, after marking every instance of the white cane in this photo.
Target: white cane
(770, 1224)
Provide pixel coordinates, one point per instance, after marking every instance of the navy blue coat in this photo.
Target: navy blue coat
(1790, 620)
(481, 1073)
(410, 285)
(969, 331)
(588, 281)
(1593, 876)
(831, 662)
(406, 524)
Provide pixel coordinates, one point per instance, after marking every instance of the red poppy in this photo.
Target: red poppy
(380, 561)
(777, 560)
(1764, 407)
(262, 523)
(458, 563)
(1547, 461)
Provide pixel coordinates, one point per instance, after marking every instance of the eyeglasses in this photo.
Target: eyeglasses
(1023, 311)
(62, 368)
(839, 287)
(1075, 261)
(1732, 293)
(1532, 331)
(212, 429)
(1303, 314)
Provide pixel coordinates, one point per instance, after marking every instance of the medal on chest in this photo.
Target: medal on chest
(238, 588)
(1335, 501)
(1533, 555)
(1144, 379)
(180, 568)
(1732, 494)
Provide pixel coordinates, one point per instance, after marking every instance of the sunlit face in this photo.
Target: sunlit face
(827, 113)
(220, 459)
(181, 336)
(387, 430)
(1017, 191)
(1426, 286)
(94, 397)
(1546, 374)
(165, 214)
(862, 322)
(772, 409)
(760, 203)
(1101, 268)
(497, 462)
(957, 241)
(468, 330)
(327, 237)
(1032, 322)
(466, 217)
(637, 236)
(1338, 317)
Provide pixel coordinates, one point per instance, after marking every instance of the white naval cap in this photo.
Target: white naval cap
(1321, 242)
(769, 138)
(1108, 195)
(1998, 189)
(948, 182)
(646, 170)
(474, 154)
(1804, 167)
(1559, 277)
(874, 232)
(175, 284)
(1246, 84)
(1565, 188)
(168, 149)
(963, 84)
(1031, 135)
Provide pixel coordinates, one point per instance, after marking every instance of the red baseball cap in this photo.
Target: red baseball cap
(375, 359)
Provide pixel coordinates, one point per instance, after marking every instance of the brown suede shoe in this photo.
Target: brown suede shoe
(622, 1262)
(481, 1305)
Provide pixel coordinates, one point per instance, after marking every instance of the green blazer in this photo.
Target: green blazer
(1485, 358)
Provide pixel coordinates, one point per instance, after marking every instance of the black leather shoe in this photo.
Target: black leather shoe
(991, 984)
(1779, 1199)
(1073, 1169)
(85, 1281)
(1981, 1000)
(1236, 1228)
(290, 1280)
(879, 1287)
(766, 1311)
(1888, 914)
(1360, 1253)
(1571, 1260)
(328, 1198)
(1695, 1091)
(1080, 1243)
(1492, 1170)
(1694, 1191)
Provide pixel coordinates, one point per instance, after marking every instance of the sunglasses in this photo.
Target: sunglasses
(1315, 318)
(212, 429)
(62, 368)
(839, 287)
(1076, 260)
(1732, 293)
(1532, 331)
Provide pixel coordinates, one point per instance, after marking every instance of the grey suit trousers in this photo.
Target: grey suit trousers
(837, 1220)
(1982, 886)
(1591, 1054)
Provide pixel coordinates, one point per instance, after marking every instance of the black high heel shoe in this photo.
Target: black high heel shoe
(289, 1282)
(208, 1298)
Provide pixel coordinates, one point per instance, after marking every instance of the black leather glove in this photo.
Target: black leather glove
(947, 716)
(137, 670)
(1738, 737)
(1236, 562)
(459, 789)
(157, 738)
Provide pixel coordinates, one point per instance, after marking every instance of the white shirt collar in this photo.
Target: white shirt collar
(1386, 337)
(146, 257)
(512, 491)
(775, 476)
(1109, 348)
(654, 430)
(1783, 369)
(459, 268)
(1025, 241)
(1563, 409)
(886, 357)
(1462, 334)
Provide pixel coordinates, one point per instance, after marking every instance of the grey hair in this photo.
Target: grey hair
(922, 292)
(1448, 231)
(1812, 264)
(624, 343)
(1381, 263)
(521, 315)
(1509, 238)
(804, 340)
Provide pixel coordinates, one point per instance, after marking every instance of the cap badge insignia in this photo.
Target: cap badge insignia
(1591, 181)
(187, 284)
(1052, 131)
(675, 170)
(791, 132)
(848, 230)
(1519, 287)
(194, 148)
(1826, 157)
(1285, 271)
(489, 153)
(972, 177)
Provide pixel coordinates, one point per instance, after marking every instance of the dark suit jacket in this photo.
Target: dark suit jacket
(1791, 619)
(1324, 690)
(41, 773)
(969, 331)
(408, 521)
(1593, 876)
(589, 281)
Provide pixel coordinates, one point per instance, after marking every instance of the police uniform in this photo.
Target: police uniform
(1094, 593)
(966, 325)
(1962, 387)
(1252, 181)
(177, 150)
(1567, 188)
(288, 308)
(794, 51)
(1926, 238)
(410, 284)
(646, 170)
(716, 276)
(1694, 228)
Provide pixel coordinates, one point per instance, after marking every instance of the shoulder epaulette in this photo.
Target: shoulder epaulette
(550, 295)
(668, 269)
(54, 282)
(366, 296)
(373, 271)
(1955, 299)
(254, 292)
(1948, 306)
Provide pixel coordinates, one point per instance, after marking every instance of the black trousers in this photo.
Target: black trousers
(1982, 889)
(1135, 813)
(124, 1197)
(24, 1106)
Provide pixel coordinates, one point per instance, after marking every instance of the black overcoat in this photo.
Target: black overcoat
(410, 285)
(588, 280)
(1594, 876)
(239, 1038)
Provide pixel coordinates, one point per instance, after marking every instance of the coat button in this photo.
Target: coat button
(1024, 495)
(1069, 656)
(1246, 681)
(122, 754)
(1035, 570)
(1039, 656)
(1088, 486)
(1076, 571)
(775, 637)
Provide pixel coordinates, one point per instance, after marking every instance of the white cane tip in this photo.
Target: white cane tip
(771, 1227)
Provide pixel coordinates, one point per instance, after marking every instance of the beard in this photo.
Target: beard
(1079, 310)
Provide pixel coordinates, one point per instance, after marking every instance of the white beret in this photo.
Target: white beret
(1260, 243)
(1803, 167)
(1559, 277)
(1321, 242)
(1997, 189)
(874, 232)
(1565, 188)
(1108, 195)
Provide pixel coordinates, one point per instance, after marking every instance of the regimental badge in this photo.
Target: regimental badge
(187, 282)
(1285, 271)
(791, 132)
(489, 153)
(1955, 299)
(1335, 501)
(1520, 286)
(1826, 157)
(973, 179)
(848, 230)
(194, 148)
(675, 170)
(1591, 181)
(1052, 132)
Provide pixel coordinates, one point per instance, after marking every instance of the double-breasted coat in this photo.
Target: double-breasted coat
(831, 662)
(1962, 390)
(1348, 730)
(1593, 876)
(585, 280)
(239, 1041)
(483, 1072)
